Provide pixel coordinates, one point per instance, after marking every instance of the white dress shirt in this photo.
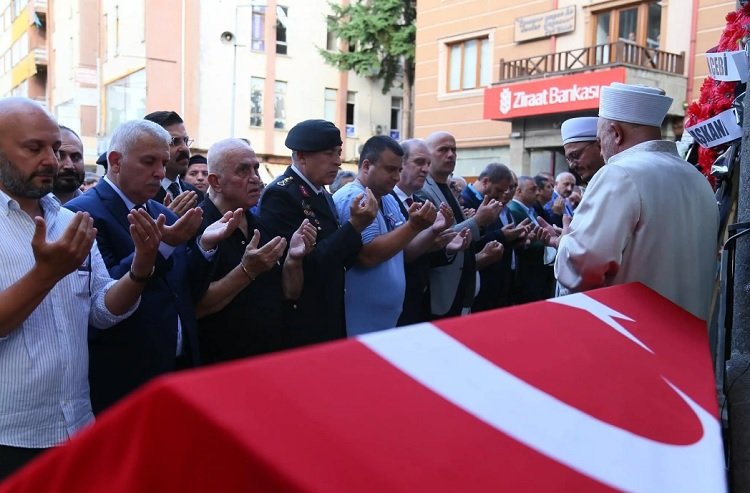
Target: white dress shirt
(44, 388)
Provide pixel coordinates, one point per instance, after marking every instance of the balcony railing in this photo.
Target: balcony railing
(617, 53)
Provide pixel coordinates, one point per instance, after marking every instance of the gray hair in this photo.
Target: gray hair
(341, 175)
(409, 144)
(220, 151)
(126, 135)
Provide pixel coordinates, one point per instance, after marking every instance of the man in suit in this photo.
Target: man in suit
(176, 193)
(532, 277)
(161, 335)
(452, 286)
(298, 194)
(416, 165)
(495, 182)
(558, 205)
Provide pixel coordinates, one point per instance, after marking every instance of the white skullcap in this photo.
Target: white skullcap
(629, 103)
(582, 129)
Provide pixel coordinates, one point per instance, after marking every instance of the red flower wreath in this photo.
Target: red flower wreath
(716, 96)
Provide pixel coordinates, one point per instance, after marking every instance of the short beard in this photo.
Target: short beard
(18, 186)
(62, 184)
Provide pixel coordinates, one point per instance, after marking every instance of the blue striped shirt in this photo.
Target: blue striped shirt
(44, 389)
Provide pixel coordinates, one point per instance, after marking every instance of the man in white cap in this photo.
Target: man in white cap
(581, 148)
(647, 216)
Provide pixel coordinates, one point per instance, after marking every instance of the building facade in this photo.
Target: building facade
(503, 75)
(243, 68)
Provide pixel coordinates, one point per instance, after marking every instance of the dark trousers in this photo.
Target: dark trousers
(12, 458)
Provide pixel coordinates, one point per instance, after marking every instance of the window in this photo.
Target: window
(18, 6)
(281, 22)
(258, 26)
(351, 130)
(279, 110)
(469, 64)
(256, 101)
(331, 39)
(125, 99)
(329, 105)
(396, 105)
(638, 24)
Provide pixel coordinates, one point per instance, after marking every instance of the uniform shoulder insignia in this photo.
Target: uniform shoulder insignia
(286, 181)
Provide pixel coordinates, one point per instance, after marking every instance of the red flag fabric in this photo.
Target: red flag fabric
(604, 391)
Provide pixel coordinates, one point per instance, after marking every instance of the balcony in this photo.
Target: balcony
(40, 56)
(621, 53)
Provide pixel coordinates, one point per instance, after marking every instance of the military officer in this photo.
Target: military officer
(299, 193)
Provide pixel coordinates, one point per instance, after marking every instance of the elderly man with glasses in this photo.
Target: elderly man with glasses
(175, 193)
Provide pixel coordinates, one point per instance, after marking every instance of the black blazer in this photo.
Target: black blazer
(318, 314)
(143, 346)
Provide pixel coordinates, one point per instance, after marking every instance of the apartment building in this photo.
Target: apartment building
(502, 75)
(243, 68)
(23, 48)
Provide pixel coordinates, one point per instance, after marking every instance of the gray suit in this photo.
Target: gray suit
(445, 279)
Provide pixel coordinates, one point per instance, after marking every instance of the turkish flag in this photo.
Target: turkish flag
(603, 391)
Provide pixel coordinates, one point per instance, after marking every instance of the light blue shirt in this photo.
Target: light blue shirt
(374, 296)
(44, 387)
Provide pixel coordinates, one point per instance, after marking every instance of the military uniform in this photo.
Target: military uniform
(318, 314)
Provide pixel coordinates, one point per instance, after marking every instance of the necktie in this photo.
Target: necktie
(174, 189)
(409, 201)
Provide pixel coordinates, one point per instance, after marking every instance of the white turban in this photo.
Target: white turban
(582, 129)
(630, 103)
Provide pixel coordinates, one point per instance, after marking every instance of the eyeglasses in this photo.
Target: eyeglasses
(576, 155)
(178, 140)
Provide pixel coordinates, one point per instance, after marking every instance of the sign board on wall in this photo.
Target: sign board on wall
(574, 92)
(545, 24)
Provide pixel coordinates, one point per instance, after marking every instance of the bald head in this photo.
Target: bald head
(233, 175)
(564, 184)
(29, 141)
(442, 147)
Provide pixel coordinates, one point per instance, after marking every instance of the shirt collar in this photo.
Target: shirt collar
(401, 194)
(476, 192)
(128, 203)
(165, 182)
(299, 173)
(49, 203)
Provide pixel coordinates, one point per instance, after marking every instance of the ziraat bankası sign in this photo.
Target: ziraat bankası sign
(574, 92)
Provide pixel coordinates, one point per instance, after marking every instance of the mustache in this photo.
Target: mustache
(183, 155)
(45, 171)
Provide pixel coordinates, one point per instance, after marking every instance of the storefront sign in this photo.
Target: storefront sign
(573, 92)
(728, 66)
(546, 24)
(718, 130)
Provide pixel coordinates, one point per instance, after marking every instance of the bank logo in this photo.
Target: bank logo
(506, 97)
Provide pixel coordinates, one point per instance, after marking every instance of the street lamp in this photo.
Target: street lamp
(230, 38)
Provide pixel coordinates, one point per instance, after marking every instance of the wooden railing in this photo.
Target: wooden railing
(617, 53)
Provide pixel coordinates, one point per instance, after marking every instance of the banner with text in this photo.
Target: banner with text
(572, 92)
(718, 130)
(728, 66)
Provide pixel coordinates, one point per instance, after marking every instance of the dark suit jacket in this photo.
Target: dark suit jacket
(532, 277)
(318, 314)
(143, 346)
(185, 186)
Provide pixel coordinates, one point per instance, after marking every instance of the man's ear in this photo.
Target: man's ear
(114, 160)
(619, 131)
(213, 182)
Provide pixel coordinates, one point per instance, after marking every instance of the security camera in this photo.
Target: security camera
(227, 37)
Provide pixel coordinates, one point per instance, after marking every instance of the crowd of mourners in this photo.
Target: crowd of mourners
(171, 261)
